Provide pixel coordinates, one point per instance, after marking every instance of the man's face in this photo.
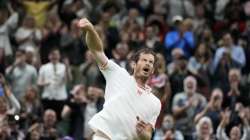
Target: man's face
(190, 87)
(228, 41)
(54, 56)
(144, 66)
(49, 117)
(20, 56)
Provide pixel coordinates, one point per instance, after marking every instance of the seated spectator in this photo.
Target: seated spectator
(168, 130)
(204, 129)
(213, 109)
(235, 132)
(182, 38)
(186, 105)
(21, 75)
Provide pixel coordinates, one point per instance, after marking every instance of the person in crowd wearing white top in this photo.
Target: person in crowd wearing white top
(21, 75)
(53, 77)
(130, 109)
(7, 24)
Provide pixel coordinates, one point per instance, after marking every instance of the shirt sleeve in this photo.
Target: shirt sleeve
(111, 69)
(12, 21)
(221, 134)
(15, 105)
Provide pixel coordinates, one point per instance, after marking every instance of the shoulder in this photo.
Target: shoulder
(180, 95)
(30, 67)
(45, 66)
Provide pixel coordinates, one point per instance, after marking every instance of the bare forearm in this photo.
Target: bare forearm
(93, 41)
(200, 115)
(95, 45)
(179, 110)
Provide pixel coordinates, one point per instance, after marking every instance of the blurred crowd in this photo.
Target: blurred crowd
(50, 86)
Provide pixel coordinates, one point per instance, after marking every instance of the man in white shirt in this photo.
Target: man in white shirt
(52, 78)
(130, 109)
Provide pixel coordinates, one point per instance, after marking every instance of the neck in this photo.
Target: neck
(140, 81)
(54, 62)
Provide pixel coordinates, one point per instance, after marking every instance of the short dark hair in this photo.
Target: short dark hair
(136, 56)
(54, 49)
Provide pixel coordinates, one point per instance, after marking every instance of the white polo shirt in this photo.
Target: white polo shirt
(55, 75)
(124, 100)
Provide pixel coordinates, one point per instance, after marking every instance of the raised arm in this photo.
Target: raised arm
(93, 41)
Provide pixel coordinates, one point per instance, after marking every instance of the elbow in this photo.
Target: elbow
(17, 109)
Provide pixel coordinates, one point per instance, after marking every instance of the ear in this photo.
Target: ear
(132, 64)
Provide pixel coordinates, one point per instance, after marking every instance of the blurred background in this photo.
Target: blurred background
(50, 86)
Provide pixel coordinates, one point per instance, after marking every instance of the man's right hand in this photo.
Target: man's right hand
(85, 25)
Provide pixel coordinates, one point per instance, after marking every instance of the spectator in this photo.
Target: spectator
(38, 10)
(51, 35)
(47, 129)
(6, 25)
(168, 130)
(120, 54)
(230, 54)
(71, 43)
(177, 71)
(89, 70)
(179, 7)
(53, 77)
(208, 39)
(74, 110)
(11, 108)
(94, 105)
(186, 105)
(27, 34)
(235, 92)
(181, 37)
(199, 65)
(21, 75)
(213, 109)
(204, 129)
(31, 108)
(151, 38)
(235, 132)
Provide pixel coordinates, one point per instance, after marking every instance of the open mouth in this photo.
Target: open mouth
(146, 69)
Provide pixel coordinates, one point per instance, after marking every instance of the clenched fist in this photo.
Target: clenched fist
(85, 25)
